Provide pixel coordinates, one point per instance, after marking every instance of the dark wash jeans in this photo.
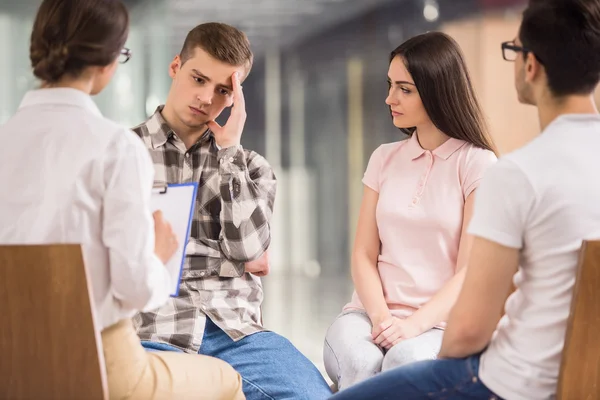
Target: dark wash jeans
(447, 379)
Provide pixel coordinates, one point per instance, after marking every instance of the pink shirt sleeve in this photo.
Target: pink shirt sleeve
(373, 172)
(476, 163)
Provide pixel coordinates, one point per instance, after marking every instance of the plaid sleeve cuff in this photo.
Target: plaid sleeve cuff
(232, 159)
(231, 269)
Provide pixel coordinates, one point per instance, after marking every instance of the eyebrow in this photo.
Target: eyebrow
(402, 82)
(207, 79)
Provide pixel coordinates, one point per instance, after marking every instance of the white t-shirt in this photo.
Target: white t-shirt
(543, 199)
(71, 176)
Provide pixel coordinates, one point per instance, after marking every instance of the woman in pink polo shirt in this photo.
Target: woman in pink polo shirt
(411, 249)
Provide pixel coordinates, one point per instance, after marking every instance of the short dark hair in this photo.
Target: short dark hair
(70, 35)
(565, 36)
(436, 64)
(221, 41)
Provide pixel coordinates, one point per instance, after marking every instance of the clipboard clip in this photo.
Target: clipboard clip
(160, 187)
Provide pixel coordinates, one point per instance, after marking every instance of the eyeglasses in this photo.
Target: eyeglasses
(510, 51)
(125, 55)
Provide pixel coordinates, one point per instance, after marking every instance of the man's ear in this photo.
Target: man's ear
(175, 66)
(533, 68)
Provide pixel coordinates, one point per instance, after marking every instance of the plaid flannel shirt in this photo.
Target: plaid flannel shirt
(230, 226)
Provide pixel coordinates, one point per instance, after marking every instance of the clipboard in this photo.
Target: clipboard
(176, 201)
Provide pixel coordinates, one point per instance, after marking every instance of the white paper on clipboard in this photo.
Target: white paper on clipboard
(176, 201)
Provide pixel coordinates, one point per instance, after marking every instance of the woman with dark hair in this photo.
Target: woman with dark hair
(411, 247)
(78, 177)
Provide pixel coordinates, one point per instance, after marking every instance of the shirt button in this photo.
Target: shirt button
(230, 159)
(202, 273)
(187, 155)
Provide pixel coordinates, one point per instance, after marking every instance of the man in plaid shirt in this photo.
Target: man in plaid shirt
(217, 312)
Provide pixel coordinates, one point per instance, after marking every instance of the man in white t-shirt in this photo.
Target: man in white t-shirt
(532, 211)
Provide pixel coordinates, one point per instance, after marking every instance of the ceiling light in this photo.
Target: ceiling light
(431, 11)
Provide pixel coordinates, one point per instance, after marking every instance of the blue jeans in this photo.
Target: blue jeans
(448, 379)
(270, 366)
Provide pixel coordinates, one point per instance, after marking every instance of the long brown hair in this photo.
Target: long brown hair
(70, 35)
(436, 64)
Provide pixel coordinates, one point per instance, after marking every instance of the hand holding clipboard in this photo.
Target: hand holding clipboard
(165, 240)
(176, 203)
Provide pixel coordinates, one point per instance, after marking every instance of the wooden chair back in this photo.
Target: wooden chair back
(49, 348)
(579, 377)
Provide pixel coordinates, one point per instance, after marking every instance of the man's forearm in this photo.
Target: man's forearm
(245, 229)
(461, 347)
(438, 308)
(247, 199)
(464, 336)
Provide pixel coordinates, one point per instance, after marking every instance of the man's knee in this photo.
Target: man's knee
(284, 372)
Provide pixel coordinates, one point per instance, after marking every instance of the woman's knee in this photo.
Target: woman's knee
(349, 350)
(407, 352)
(193, 376)
(348, 365)
(330, 360)
(230, 379)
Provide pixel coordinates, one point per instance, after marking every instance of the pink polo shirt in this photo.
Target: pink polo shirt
(419, 216)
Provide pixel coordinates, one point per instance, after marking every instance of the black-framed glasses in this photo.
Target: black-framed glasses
(125, 55)
(510, 51)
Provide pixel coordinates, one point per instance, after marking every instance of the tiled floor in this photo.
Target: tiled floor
(302, 308)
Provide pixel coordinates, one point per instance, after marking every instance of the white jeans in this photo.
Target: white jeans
(350, 355)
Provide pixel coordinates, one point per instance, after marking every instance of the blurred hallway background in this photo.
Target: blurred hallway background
(315, 104)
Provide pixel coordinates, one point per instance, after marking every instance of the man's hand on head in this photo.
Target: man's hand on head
(230, 134)
(259, 267)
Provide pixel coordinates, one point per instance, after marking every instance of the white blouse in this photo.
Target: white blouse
(69, 175)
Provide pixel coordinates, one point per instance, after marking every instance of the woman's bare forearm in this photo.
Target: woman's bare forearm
(368, 287)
